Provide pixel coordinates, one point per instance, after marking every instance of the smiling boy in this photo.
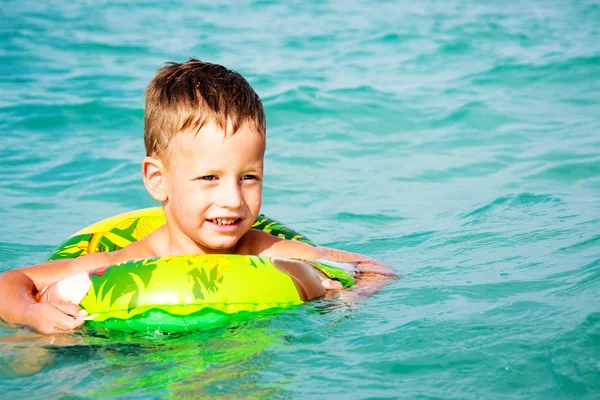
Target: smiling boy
(205, 137)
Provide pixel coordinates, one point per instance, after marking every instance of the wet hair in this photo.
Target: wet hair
(186, 96)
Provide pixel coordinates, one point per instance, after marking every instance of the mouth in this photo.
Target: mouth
(224, 221)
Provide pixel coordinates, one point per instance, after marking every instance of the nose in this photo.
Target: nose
(230, 195)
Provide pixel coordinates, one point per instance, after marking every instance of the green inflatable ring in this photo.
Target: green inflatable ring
(182, 293)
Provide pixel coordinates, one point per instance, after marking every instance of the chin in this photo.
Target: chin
(222, 246)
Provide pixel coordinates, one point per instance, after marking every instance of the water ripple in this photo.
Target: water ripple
(455, 141)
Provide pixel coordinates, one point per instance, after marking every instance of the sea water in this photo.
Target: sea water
(454, 140)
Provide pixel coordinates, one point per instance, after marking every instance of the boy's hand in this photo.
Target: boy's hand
(54, 316)
(331, 285)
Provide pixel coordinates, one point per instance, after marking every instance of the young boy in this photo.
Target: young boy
(204, 131)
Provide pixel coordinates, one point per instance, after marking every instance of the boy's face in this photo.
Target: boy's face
(214, 188)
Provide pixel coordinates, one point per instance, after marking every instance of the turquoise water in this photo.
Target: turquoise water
(457, 141)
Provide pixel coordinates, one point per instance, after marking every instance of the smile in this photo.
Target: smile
(224, 221)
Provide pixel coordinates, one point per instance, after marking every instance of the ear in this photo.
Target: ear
(155, 180)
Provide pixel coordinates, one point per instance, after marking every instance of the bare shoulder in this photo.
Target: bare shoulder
(145, 248)
(257, 242)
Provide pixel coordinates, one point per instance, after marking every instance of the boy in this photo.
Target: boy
(204, 132)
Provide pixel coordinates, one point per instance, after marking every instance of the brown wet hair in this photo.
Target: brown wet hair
(186, 96)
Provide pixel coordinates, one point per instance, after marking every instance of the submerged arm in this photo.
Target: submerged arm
(363, 263)
(371, 275)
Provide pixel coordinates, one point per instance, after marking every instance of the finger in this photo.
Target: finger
(327, 283)
(70, 309)
(331, 284)
(66, 323)
(61, 315)
(47, 319)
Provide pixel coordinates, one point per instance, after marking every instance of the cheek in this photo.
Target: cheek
(253, 196)
(257, 198)
(189, 200)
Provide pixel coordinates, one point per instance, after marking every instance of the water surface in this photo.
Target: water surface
(456, 141)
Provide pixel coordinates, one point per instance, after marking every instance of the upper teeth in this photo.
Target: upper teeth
(221, 221)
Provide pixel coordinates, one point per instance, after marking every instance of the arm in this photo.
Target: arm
(19, 288)
(18, 306)
(372, 275)
(364, 264)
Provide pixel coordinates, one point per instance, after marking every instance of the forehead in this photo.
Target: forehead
(212, 145)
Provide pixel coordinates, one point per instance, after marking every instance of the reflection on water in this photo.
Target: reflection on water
(218, 362)
(24, 353)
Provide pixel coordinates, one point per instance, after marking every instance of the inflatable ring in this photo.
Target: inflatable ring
(182, 293)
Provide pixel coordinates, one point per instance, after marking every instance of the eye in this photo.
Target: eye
(207, 178)
(250, 178)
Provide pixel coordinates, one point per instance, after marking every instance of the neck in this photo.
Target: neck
(167, 243)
